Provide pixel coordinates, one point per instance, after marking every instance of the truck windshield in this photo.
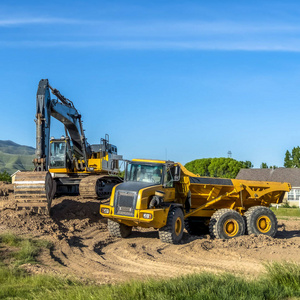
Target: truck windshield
(144, 173)
(57, 154)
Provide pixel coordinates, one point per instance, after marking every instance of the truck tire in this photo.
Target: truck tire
(173, 231)
(195, 227)
(226, 224)
(261, 220)
(118, 229)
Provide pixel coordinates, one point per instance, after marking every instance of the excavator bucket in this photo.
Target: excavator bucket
(34, 191)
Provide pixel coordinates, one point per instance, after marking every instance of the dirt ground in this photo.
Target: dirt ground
(83, 248)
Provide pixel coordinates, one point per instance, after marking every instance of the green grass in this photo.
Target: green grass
(27, 249)
(281, 281)
(286, 212)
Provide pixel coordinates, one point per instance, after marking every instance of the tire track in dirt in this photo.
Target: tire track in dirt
(84, 249)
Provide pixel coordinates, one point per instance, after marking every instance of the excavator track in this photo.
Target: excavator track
(34, 191)
(98, 186)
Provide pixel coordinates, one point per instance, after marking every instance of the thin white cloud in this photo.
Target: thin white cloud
(159, 27)
(153, 35)
(34, 21)
(160, 45)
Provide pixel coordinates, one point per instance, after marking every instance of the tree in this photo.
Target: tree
(296, 157)
(4, 176)
(287, 159)
(264, 166)
(217, 167)
(247, 164)
(292, 160)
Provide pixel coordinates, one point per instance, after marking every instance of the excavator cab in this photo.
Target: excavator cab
(60, 154)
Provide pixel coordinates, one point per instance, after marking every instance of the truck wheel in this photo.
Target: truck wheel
(226, 224)
(118, 229)
(173, 231)
(261, 220)
(195, 227)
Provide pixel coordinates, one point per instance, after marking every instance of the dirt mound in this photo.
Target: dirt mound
(243, 242)
(6, 188)
(67, 217)
(6, 196)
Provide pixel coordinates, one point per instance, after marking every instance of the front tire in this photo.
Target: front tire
(226, 224)
(118, 229)
(172, 233)
(261, 220)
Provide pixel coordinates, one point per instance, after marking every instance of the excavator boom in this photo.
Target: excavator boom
(64, 111)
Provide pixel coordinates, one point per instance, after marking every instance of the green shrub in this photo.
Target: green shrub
(4, 176)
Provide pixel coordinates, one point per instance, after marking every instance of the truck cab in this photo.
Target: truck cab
(145, 197)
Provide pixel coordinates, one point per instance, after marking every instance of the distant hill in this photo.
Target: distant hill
(10, 147)
(15, 157)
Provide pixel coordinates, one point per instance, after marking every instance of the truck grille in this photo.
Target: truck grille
(125, 203)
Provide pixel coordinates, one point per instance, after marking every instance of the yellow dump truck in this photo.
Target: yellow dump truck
(164, 195)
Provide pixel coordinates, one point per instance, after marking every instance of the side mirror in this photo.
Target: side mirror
(177, 173)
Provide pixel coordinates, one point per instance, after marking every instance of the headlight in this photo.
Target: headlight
(147, 216)
(105, 210)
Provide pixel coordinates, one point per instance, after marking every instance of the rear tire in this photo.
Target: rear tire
(226, 224)
(118, 229)
(261, 220)
(172, 233)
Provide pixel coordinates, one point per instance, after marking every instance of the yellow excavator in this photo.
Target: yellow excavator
(68, 165)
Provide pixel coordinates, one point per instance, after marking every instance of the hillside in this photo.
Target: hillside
(15, 157)
(10, 147)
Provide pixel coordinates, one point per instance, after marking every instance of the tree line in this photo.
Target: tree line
(217, 167)
(229, 167)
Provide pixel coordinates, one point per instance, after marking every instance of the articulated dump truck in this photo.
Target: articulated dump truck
(164, 195)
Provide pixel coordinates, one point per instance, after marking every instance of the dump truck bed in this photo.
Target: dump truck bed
(215, 193)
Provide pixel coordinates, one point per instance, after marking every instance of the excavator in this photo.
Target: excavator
(68, 165)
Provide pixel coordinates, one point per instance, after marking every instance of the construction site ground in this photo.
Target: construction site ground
(83, 248)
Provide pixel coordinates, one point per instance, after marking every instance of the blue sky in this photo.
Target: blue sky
(165, 79)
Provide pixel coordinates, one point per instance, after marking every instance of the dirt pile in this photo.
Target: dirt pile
(6, 188)
(6, 196)
(67, 218)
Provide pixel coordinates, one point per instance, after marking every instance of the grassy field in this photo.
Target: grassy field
(281, 281)
(286, 212)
